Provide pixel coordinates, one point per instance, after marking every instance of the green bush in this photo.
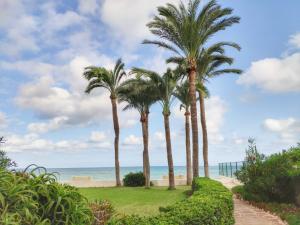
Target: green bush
(36, 198)
(271, 179)
(210, 204)
(134, 179)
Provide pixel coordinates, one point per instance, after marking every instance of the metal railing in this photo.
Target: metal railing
(229, 169)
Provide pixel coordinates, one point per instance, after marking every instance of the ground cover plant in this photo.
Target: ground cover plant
(136, 200)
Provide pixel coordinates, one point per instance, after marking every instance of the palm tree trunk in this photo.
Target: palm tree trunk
(192, 90)
(146, 164)
(169, 152)
(204, 134)
(117, 133)
(188, 149)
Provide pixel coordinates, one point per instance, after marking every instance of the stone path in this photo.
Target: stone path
(246, 214)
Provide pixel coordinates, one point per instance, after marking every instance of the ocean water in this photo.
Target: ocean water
(108, 173)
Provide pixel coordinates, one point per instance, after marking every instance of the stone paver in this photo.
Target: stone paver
(246, 214)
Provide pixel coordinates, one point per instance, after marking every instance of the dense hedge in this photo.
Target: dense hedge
(134, 179)
(275, 178)
(28, 198)
(210, 204)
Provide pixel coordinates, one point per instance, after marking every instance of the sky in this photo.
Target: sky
(47, 119)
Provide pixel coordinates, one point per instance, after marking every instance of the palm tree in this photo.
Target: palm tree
(164, 87)
(139, 95)
(110, 80)
(208, 62)
(183, 30)
(182, 94)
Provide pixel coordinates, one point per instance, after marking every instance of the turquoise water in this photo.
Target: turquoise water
(108, 173)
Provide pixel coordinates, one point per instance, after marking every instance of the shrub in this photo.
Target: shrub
(32, 198)
(5, 162)
(274, 178)
(134, 179)
(210, 204)
(102, 212)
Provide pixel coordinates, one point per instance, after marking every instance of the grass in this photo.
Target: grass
(137, 200)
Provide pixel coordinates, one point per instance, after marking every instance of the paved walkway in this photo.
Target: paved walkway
(246, 214)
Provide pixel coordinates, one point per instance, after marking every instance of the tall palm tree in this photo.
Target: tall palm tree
(140, 95)
(208, 63)
(111, 80)
(164, 88)
(183, 30)
(182, 94)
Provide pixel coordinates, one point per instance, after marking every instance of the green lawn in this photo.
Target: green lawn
(137, 200)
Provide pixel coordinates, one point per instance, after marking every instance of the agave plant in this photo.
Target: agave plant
(32, 197)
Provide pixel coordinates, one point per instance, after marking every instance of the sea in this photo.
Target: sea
(108, 173)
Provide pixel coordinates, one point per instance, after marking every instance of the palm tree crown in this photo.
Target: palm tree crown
(103, 78)
(163, 86)
(183, 30)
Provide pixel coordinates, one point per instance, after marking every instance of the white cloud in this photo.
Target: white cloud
(88, 6)
(287, 129)
(276, 74)
(55, 21)
(10, 9)
(215, 109)
(49, 101)
(34, 143)
(97, 136)
(130, 25)
(54, 124)
(132, 140)
(295, 40)
(159, 136)
(31, 68)
(3, 120)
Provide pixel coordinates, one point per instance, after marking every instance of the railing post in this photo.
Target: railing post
(226, 170)
(223, 169)
(230, 169)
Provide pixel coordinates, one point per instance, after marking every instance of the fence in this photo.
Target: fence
(228, 169)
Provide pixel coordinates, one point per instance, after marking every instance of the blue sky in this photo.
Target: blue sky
(48, 120)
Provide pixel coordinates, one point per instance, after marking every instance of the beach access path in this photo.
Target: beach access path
(246, 214)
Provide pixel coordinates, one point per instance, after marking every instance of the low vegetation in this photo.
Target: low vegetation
(210, 203)
(28, 198)
(134, 180)
(273, 182)
(136, 200)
